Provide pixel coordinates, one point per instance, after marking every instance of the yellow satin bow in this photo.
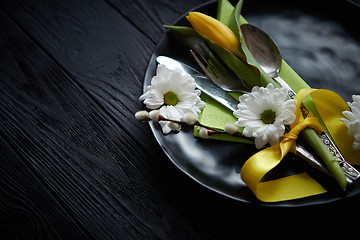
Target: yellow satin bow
(329, 106)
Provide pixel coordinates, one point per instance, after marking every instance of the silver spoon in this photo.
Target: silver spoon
(266, 53)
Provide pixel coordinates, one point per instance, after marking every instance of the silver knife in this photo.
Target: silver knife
(223, 97)
(202, 83)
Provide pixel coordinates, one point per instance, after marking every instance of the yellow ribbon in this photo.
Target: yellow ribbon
(329, 106)
(291, 187)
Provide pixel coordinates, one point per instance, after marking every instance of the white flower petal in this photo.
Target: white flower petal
(255, 124)
(251, 107)
(270, 87)
(200, 104)
(354, 127)
(353, 121)
(355, 108)
(164, 127)
(349, 115)
(261, 131)
(182, 85)
(356, 145)
(291, 118)
(260, 142)
(346, 121)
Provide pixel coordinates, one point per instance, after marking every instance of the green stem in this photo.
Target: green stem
(320, 148)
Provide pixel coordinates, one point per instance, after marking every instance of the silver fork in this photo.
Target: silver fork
(225, 80)
(219, 73)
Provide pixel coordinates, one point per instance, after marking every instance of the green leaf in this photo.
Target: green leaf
(249, 77)
(231, 17)
(184, 30)
(224, 11)
(234, 24)
(319, 147)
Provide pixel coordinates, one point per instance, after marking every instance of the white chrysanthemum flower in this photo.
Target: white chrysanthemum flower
(174, 93)
(353, 120)
(264, 113)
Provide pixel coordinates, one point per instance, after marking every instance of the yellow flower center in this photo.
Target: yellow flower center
(268, 116)
(170, 98)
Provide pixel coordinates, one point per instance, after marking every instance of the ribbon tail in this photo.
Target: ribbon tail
(287, 188)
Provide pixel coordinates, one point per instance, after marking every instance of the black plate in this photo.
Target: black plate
(323, 49)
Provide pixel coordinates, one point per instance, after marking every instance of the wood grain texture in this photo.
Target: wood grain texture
(152, 15)
(70, 142)
(74, 162)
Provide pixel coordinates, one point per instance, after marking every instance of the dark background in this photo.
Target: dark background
(74, 162)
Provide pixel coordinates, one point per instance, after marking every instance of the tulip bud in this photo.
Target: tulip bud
(213, 29)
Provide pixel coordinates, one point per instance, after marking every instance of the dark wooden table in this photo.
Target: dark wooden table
(75, 164)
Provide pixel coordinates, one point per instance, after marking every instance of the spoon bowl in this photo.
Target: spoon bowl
(265, 52)
(263, 48)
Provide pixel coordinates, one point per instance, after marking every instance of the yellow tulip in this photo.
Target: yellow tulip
(214, 30)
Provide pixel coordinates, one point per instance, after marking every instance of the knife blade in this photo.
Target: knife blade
(202, 83)
(223, 97)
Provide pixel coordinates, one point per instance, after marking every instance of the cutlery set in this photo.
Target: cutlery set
(268, 56)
